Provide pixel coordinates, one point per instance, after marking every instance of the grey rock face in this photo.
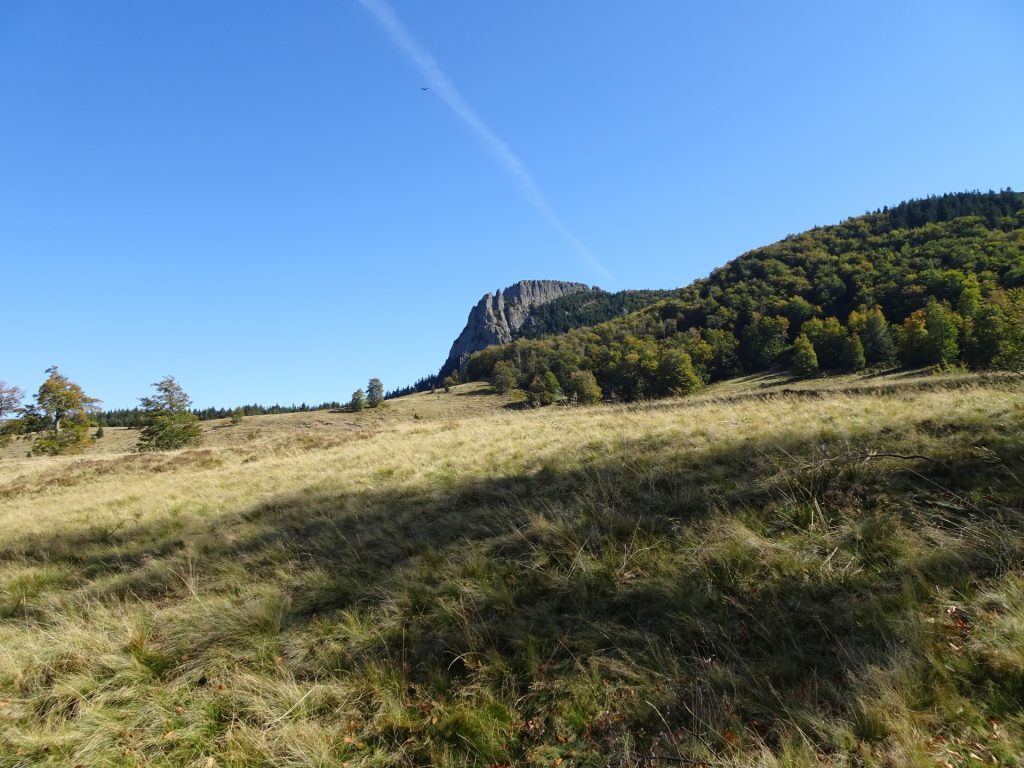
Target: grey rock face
(497, 317)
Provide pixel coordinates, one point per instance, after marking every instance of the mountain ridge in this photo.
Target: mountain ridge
(498, 316)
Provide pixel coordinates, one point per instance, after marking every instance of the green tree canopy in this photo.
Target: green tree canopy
(805, 360)
(10, 403)
(10, 400)
(504, 377)
(583, 387)
(60, 415)
(374, 393)
(358, 401)
(167, 422)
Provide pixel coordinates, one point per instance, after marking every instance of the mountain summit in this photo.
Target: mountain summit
(499, 316)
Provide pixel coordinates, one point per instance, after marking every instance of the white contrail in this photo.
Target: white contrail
(443, 87)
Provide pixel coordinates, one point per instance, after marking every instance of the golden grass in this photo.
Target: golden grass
(430, 584)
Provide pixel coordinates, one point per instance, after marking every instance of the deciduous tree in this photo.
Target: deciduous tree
(374, 393)
(805, 360)
(583, 387)
(504, 377)
(60, 415)
(10, 403)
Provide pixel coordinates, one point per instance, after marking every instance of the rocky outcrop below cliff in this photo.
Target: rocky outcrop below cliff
(498, 317)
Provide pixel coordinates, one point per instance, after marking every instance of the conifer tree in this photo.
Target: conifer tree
(876, 338)
(167, 422)
(358, 401)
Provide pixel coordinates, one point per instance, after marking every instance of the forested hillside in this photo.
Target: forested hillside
(930, 282)
(579, 310)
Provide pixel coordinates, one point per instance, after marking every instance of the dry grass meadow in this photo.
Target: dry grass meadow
(766, 574)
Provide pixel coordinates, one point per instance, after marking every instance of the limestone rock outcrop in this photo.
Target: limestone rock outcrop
(497, 317)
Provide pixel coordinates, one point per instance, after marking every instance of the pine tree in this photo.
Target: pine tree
(167, 422)
(876, 337)
(358, 401)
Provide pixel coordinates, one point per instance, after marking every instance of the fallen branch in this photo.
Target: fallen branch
(904, 456)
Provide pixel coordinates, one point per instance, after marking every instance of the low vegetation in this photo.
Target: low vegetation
(767, 573)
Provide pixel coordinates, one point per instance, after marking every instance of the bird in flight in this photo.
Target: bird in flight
(424, 88)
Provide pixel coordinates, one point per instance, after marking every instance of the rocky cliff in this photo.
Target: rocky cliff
(497, 317)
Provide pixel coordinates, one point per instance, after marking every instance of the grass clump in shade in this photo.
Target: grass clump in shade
(746, 577)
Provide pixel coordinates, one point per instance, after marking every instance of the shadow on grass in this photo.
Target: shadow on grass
(477, 392)
(642, 596)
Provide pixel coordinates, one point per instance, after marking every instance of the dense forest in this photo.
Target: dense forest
(133, 417)
(575, 310)
(938, 281)
(578, 310)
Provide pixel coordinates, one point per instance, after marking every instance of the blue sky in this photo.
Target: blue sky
(259, 199)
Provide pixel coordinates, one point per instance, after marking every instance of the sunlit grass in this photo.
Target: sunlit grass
(750, 577)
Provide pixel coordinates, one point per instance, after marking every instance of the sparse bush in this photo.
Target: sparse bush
(236, 416)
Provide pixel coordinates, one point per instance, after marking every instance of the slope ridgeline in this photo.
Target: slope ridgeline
(930, 282)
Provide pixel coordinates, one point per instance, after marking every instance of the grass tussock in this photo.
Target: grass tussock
(779, 580)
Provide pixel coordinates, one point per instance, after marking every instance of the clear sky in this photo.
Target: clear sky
(260, 199)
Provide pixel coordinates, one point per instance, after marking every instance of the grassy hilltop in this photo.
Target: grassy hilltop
(765, 574)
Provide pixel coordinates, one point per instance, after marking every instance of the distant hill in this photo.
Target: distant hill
(497, 318)
(934, 281)
(532, 309)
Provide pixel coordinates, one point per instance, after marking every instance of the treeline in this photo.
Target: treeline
(586, 308)
(575, 310)
(991, 206)
(945, 291)
(425, 384)
(133, 417)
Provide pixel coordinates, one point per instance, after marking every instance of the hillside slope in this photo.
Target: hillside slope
(761, 575)
(932, 282)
